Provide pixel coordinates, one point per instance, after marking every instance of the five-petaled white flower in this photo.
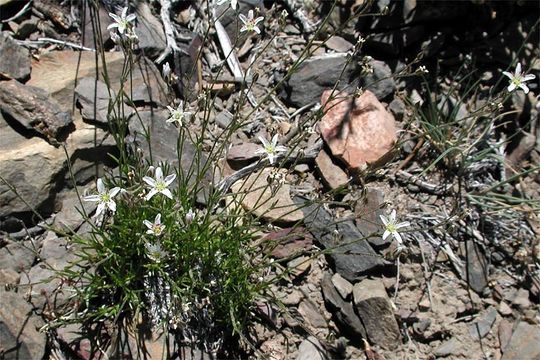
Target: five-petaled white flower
(156, 228)
(122, 22)
(234, 3)
(271, 149)
(159, 185)
(250, 23)
(104, 197)
(392, 227)
(178, 115)
(155, 251)
(517, 79)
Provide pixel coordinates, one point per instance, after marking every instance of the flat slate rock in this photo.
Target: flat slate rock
(19, 329)
(33, 109)
(524, 343)
(318, 74)
(14, 59)
(351, 254)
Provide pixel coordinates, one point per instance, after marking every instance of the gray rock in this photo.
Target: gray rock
(149, 31)
(44, 284)
(224, 119)
(524, 344)
(342, 310)
(380, 82)
(242, 154)
(352, 256)
(33, 167)
(317, 74)
(482, 326)
(93, 98)
(311, 349)
(311, 314)
(33, 109)
(19, 329)
(374, 309)
(367, 211)
(70, 217)
(397, 108)
(332, 175)
(476, 267)
(342, 286)
(447, 348)
(14, 59)
(18, 256)
(163, 142)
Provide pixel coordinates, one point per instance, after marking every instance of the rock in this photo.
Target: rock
(504, 333)
(311, 349)
(32, 109)
(163, 142)
(289, 241)
(70, 217)
(524, 344)
(224, 119)
(352, 256)
(309, 311)
(332, 175)
(447, 348)
(43, 283)
(343, 287)
(342, 310)
(149, 31)
(476, 267)
(397, 108)
(93, 98)
(521, 299)
(243, 154)
(380, 82)
(291, 298)
(9, 278)
(360, 133)
(299, 266)
(18, 256)
(504, 309)
(34, 168)
(92, 16)
(339, 44)
(271, 204)
(523, 144)
(317, 74)
(375, 310)
(367, 211)
(56, 72)
(482, 326)
(14, 59)
(19, 329)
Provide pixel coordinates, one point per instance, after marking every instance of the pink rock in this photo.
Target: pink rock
(359, 132)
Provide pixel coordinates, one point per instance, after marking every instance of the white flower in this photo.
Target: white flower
(391, 227)
(156, 228)
(271, 149)
(159, 185)
(517, 79)
(234, 3)
(155, 252)
(104, 198)
(166, 72)
(190, 216)
(250, 23)
(122, 22)
(178, 115)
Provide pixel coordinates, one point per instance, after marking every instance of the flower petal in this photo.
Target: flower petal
(149, 181)
(100, 208)
(91, 198)
(167, 193)
(114, 191)
(398, 238)
(403, 224)
(100, 186)
(510, 75)
(150, 194)
(159, 174)
(148, 224)
(169, 179)
(518, 69)
(111, 205)
(384, 219)
(242, 18)
(393, 215)
(511, 87)
(528, 77)
(524, 88)
(385, 235)
(157, 220)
